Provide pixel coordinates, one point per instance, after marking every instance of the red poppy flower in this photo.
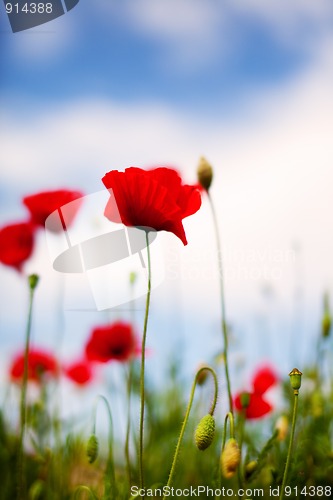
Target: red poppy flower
(112, 342)
(16, 244)
(41, 205)
(152, 199)
(40, 363)
(253, 403)
(79, 372)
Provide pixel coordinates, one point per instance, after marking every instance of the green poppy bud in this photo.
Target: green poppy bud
(92, 448)
(245, 399)
(249, 469)
(295, 379)
(205, 173)
(326, 324)
(33, 281)
(204, 433)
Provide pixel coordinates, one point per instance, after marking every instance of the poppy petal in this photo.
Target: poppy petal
(263, 379)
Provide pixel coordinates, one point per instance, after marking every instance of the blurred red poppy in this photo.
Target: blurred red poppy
(40, 363)
(112, 342)
(16, 244)
(252, 403)
(79, 372)
(152, 199)
(41, 205)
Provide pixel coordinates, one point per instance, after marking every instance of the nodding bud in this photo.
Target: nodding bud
(295, 379)
(230, 458)
(282, 426)
(92, 448)
(204, 433)
(205, 173)
(201, 375)
(33, 281)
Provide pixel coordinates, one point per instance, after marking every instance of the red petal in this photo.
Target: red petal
(39, 363)
(16, 244)
(263, 379)
(257, 408)
(79, 372)
(42, 204)
(111, 342)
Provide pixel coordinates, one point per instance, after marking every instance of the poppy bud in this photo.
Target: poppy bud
(295, 379)
(245, 399)
(282, 425)
(204, 433)
(326, 324)
(33, 281)
(92, 448)
(205, 173)
(132, 277)
(202, 375)
(37, 489)
(250, 467)
(230, 458)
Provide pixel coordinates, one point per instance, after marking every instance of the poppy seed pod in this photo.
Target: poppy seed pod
(204, 433)
(92, 448)
(205, 173)
(230, 458)
(295, 378)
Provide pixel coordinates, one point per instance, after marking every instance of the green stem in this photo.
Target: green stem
(187, 414)
(128, 427)
(293, 425)
(224, 322)
(142, 370)
(32, 280)
(110, 462)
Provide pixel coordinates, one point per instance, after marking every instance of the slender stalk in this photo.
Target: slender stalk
(129, 389)
(110, 462)
(32, 280)
(187, 414)
(142, 370)
(128, 427)
(293, 425)
(223, 320)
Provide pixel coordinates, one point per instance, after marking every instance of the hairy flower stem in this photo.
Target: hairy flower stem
(142, 371)
(33, 280)
(223, 312)
(293, 425)
(189, 406)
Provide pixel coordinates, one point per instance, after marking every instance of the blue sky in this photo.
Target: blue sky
(247, 84)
